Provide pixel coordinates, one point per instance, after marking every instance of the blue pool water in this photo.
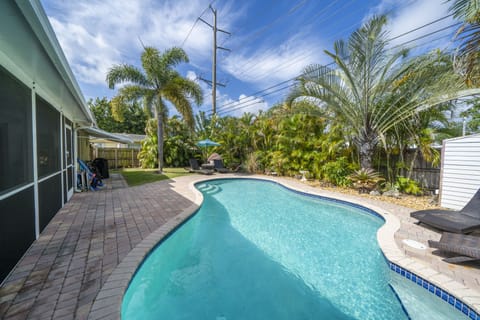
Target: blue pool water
(256, 250)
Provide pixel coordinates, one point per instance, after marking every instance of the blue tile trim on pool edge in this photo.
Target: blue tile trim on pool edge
(438, 292)
(433, 289)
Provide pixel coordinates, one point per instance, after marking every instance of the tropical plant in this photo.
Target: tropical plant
(365, 179)
(148, 155)
(251, 163)
(179, 145)
(408, 186)
(472, 117)
(156, 84)
(133, 118)
(337, 172)
(370, 90)
(467, 57)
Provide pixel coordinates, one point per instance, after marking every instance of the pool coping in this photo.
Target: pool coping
(107, 304)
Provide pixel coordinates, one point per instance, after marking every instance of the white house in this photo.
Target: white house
(42, 112)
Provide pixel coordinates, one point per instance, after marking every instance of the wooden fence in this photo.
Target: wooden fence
(426, 175)
(118, 158)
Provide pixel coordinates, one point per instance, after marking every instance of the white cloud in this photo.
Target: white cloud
(95, 35)
(243, 104)
(191, 75)
(274, 64)
(410, 15)
(89, 55)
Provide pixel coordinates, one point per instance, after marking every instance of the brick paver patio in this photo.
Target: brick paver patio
(83, 260)
(63, 271)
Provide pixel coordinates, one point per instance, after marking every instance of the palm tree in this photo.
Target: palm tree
(468, 52)
(156, 84)
(373, 87)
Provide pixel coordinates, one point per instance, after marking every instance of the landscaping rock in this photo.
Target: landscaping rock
(392, 193)
(375, 193)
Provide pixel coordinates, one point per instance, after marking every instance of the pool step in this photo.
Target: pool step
(209, 188)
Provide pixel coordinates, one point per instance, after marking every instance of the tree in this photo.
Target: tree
(178, 144)
(371, 90)
(472, 117)
(157, 84)
(134, 117)
(468, 52)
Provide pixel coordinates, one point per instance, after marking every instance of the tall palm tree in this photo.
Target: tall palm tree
(373, 87)
(156, 84)
(467, 57)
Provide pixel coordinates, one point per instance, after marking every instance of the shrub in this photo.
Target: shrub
(408, 186)
(337, 172)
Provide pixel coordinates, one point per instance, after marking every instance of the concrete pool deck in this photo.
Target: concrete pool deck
(81, 265)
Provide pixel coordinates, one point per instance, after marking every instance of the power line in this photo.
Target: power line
(424, 26)
(304, 56)
(235, 105)
(195, 23)
(256, 98)
(251, 100)
(404, 34)
(251, 64)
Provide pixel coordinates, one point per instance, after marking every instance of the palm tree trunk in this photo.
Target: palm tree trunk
(160, 139)
(412, 163)
(366, 145)
(366, 153)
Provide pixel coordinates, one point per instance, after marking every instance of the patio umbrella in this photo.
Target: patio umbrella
(207, 143)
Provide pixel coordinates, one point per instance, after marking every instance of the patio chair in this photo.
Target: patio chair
(93, 180)
(465, 247)
(219, 167)
(464, 221)
(195, 167)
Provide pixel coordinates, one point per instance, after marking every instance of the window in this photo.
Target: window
(48, 138)
(16, 158)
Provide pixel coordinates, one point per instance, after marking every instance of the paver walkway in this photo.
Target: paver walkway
(63, 271)
(74, 262)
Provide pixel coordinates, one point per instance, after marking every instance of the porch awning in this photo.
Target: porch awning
(99, 133)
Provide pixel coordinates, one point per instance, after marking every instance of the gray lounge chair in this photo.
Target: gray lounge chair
(466, 220)
(466, 248)
(195, 167)
(219, 167)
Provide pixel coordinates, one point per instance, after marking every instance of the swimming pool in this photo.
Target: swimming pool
(256, 250)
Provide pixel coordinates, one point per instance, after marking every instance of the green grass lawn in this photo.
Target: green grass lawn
(138, 176)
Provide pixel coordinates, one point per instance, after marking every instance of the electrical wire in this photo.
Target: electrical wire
(195, 23)
(241, 105)
(235, 105)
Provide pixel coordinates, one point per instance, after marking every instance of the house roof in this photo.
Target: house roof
(29, 49)
(34, 55)
(99, 133)
(475, 136)
(38, 20)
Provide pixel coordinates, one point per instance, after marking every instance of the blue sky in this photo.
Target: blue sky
(271, 41)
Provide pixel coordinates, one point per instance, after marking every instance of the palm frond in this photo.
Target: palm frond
(467, 10)
(126, 73)
(172, 57)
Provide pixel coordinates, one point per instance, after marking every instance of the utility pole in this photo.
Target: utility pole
(214, 82)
